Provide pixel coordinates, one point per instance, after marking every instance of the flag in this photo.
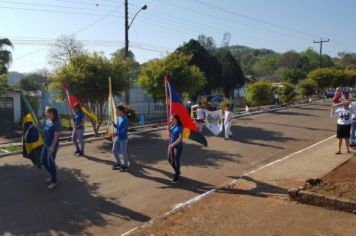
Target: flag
(214, 122)
(175, 104)
(111, 112)
(32, 140)
(72, 100)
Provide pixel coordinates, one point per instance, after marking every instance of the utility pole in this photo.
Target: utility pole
(321, 48)
(127, 92)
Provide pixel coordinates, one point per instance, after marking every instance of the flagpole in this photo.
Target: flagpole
(168, 114)
(65, 90)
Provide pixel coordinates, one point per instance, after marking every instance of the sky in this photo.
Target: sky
(281, 25)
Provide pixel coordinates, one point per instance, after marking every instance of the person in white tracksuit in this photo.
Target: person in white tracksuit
(228, 122)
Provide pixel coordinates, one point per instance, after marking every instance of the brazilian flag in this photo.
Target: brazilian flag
(32, 141)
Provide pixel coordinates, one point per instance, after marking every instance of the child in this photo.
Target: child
(176, 147)
(200, 116)
(228, 122)
(121, 139)
(78, 130)
(51, 131)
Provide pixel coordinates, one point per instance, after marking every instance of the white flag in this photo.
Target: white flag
(214, 122)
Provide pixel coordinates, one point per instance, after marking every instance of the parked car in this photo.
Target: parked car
(214, 101)
(330, 93)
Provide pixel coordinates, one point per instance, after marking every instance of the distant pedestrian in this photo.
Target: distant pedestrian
(78, 130)
(200, 119)
(51, 132)
(337, 96)
(344, 121)
(121, 139)
(228, 122)
(353, 126)
(176, 146)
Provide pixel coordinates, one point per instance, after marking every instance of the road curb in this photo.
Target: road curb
(322, 200)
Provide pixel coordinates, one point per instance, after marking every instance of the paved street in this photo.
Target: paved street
(93, 199)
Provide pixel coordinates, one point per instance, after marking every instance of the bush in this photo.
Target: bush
(260, 93)
(224, 103)
(293, 75)
(307, 88)
(287, 92)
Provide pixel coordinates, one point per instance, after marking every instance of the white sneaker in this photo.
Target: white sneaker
(49, 180)
(52, 185)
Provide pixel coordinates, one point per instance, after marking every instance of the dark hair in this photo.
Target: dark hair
(121, 108)
(54, 112)
(78, 107)
(176, 116)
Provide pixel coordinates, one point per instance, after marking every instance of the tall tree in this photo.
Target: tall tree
(231, 72)
(5, 55)
(63, 50)
(207, 42)
(87, 77)
(206, 62)
(187, 79)
(265, 66)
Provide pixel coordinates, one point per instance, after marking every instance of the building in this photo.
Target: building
(10, 106)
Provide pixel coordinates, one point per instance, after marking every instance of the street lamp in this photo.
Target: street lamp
(127, 27)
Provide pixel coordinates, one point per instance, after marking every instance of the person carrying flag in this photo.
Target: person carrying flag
(51, 131)
(121, 139)
(176, 146)
(78, 129)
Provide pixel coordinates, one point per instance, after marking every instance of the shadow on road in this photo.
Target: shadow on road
(260, 189)
(68, 210)
(150, 148)
(258, 136)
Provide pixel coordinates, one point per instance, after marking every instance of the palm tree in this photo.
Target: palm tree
(5, 55)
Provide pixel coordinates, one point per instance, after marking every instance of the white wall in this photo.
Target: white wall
(17, 104)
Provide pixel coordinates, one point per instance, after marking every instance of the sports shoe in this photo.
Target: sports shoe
(49, 180)
(76, 152)
(116, 167)
(52, 185)
(123, 169)
(175, 179)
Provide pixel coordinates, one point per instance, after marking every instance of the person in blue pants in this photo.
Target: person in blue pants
(78, 130)
(51, 131)
(120, 142)
(176, 146)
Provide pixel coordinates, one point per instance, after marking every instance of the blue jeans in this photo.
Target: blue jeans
(48, 161)
(174, 160)
(352, 134)
(78, 135)
(120, 146)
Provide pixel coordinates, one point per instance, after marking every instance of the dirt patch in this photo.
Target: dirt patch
(340, 182)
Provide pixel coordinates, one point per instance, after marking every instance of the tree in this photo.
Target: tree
(260, 93)
(293, 75)
(323, 77)
(32, 82)
(287, 92)
(207, 42)
(87, 78)
(265, 66)
(3, 83)
(186, 79)
(347, 59)
(307, 87)
(292, 60)
(63, 50)
(206, 62)
(232, 75)
(5, 55)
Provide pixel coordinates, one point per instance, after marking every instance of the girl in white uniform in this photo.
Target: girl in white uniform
(228, 122)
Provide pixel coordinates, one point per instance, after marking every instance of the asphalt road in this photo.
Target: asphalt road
(92, 199)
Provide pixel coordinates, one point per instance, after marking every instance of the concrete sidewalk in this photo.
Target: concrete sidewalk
(257, 203)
